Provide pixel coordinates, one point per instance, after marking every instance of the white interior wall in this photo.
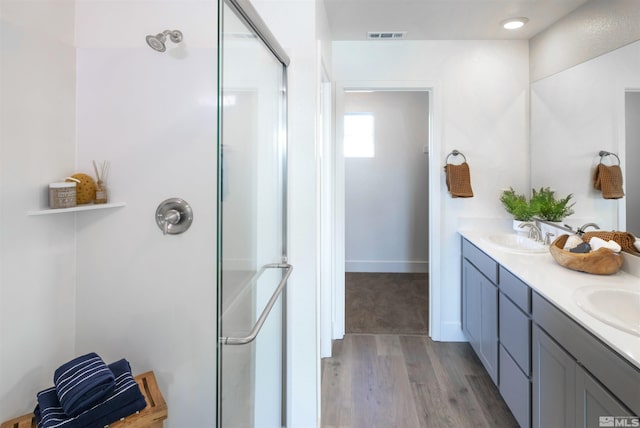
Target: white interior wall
(141, 295)
(574, 115)
(480, 93)
(37, 146)
(632, 157)
(593, 29)
(386, 197)
(323, 35)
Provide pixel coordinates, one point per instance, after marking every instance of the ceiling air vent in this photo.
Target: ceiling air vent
(386, 35)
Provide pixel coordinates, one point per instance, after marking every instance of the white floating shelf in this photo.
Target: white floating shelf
(87, 207)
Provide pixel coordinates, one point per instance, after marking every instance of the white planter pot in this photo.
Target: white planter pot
(554, 228)
(518, 229)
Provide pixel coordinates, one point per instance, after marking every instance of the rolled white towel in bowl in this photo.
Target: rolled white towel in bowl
(597, 243)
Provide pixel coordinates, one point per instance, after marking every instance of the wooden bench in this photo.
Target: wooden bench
(151, 416)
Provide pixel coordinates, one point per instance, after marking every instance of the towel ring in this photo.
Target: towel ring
(604, 153)
(455, 153)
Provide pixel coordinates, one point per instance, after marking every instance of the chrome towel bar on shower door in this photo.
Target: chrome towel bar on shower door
(265, 312)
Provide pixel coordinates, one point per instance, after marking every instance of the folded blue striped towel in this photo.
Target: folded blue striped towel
(83, 382)
(126, 399)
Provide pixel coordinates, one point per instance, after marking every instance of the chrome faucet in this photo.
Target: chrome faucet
(534, 231)
(583, 228)
(547, 238)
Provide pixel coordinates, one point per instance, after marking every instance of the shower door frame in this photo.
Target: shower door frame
(247, 13)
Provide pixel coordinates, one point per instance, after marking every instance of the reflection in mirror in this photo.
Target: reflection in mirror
(632, 160)
(575, 114)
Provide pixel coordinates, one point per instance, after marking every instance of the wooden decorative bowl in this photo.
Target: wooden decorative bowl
(600, 262)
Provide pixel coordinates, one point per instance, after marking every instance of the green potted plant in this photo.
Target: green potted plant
(547, 207)
(518, 206)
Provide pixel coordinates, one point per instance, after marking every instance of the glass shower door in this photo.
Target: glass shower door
(252, 269)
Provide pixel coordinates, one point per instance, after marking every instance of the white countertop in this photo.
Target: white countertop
(557, 284)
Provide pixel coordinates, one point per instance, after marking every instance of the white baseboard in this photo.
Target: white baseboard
(451, 332)
(387, 266)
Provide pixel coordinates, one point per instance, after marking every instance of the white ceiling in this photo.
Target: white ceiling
(443, 19)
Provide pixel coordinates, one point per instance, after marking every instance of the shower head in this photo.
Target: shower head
(157, 42)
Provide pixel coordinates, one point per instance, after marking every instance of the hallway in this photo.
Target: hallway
(387, 303)
(384, 381)
(387, 372)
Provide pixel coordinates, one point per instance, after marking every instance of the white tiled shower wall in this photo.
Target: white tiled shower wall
(37, 146)
(141, 295)
(80, 83)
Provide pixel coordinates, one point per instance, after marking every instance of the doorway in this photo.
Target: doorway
(386, 167)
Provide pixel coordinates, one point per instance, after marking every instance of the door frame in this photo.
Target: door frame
(325, 202)
(622, 143)
(435, 177)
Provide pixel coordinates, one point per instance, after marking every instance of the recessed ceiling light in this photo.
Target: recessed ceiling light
(514, 23)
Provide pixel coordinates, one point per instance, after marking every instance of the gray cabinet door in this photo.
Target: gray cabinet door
(593, 402)
(470, 304)
(489, 341)
(480, 316)
(515, 388)
(553, 383)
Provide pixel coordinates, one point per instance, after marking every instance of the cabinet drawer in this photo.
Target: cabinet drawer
(515, 333)
(518, 291)
(613, 371)
(515, 388)
(480, 260)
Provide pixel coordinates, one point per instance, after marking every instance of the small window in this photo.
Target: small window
(359, 135)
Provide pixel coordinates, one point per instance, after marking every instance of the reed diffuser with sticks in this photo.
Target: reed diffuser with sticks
(101, 184)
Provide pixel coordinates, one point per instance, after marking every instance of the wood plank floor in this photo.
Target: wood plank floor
(397, 381)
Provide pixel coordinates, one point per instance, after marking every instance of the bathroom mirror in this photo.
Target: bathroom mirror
(632, 154)
(579, 112)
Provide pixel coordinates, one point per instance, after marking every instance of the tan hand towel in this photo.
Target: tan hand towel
(608, 179)
(624, 239)
(458, 180)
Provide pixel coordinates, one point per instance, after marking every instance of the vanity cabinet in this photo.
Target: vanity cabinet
(550, 371)
(495, 319)
(576, 378)
(479, 316)
(565, 394)
(514, 337)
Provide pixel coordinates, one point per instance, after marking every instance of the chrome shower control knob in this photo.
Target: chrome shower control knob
(174, 216)
(169, 218)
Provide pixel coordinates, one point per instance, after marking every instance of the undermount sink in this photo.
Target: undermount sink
(517, 243)
(617, 307)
